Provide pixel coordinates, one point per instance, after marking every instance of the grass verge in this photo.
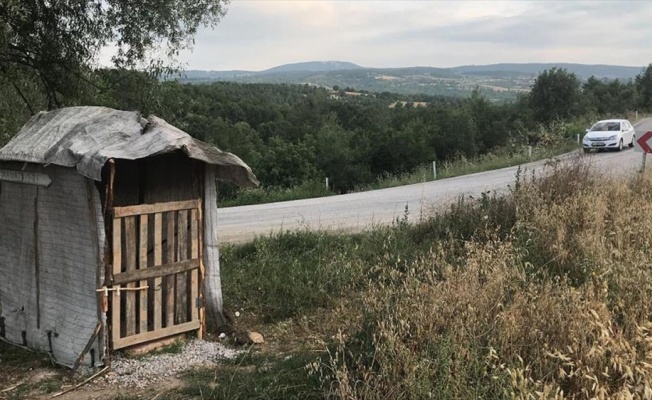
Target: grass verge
(253, 376)
(545, 292)
(464, 166)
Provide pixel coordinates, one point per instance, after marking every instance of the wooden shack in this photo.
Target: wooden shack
(108, 233)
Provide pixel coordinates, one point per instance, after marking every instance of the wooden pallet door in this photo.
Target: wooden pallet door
(157, 272)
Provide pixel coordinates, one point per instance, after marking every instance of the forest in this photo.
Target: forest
(291, 135)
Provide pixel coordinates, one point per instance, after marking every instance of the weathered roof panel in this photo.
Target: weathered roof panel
(86, 137)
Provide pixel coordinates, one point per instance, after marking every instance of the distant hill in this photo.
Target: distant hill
(583, 71)
(312, 66)
(497, 81)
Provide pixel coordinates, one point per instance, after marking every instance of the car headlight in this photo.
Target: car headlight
(613, 137)
(586, 138)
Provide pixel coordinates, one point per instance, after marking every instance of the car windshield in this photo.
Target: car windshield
(605, 126)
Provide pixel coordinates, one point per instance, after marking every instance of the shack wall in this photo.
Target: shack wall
(50, 263)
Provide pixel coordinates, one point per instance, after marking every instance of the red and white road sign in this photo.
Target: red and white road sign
(643, 144)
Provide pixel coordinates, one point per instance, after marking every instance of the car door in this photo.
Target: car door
(631, 132)
(623, 132)
(627, 132)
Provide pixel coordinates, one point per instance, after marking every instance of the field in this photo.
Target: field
(544, 292)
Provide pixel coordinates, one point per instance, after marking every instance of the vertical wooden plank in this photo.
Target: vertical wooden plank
(181, 314)
(117, 266)
(158, 260)
(131, 255)
(202, 275)
(194, 274)
(142, 264)
(169, 280)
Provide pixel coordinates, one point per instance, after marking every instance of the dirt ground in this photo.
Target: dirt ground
(44, 382)
(28, 375)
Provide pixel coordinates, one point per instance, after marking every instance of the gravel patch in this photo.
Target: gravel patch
(141, 372)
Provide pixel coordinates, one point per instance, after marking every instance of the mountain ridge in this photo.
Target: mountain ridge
(313, 66)
(502, 81)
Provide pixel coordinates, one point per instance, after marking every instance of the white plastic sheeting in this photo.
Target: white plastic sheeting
(49, 258)
(86, 137)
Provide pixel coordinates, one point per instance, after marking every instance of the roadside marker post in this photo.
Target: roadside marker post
(644, 145)
(529, 152)
(326, 182)
(578, 139)
(434, 170)
(643, 162)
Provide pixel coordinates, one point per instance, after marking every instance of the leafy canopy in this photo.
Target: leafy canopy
(56, 42)
(644, 87)
(554, 95)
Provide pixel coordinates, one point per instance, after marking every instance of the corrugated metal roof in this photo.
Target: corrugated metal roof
(86, 137)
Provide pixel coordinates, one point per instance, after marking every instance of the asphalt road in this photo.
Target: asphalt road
(360, 211)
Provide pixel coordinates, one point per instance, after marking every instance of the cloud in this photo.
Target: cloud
(256, 35)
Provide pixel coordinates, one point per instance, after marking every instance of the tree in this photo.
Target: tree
(56, 43)
(19, 98)
(555, 94)
(608, 97)
(338, 157)
(644, 88)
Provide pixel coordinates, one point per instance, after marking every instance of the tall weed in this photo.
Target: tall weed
(542, 292)
(552, 302)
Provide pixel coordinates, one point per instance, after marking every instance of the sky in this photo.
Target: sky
(260, 34)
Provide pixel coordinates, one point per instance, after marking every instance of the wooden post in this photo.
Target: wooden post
(169, 284)
(109, 269)
(181, 301)
(117, 268)
(158, 260)
(131, 255)
(194, 274)
(142, 264)
(202, 271)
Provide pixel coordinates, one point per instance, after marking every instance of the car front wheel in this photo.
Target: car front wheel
(620, 145)
(632, 143)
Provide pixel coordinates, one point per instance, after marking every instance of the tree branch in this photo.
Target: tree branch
(20, 93)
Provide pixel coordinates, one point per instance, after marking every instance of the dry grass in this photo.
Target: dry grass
(544, 292)
(556, 306)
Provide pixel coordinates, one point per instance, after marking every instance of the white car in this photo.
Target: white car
(610, 134)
